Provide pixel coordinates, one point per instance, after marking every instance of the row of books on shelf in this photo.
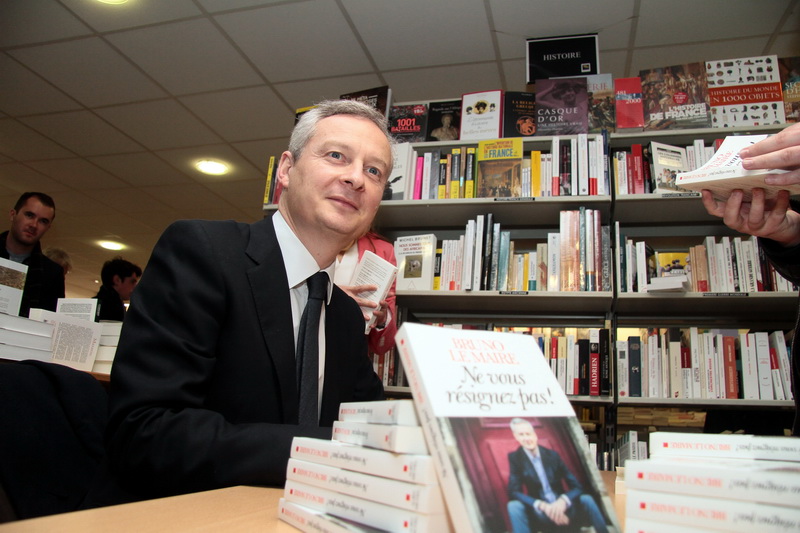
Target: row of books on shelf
(720, 482)
(718, 265)
(698, 363)
(577, 257)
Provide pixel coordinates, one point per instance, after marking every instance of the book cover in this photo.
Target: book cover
(710, 513)
(519, 114)
(313, 521)
(600, 94)
(12, 283)
(628, 104)
(484, 397)
(668, 162)
(414, 468)
(373, 269)
(745, 91)
(724, 172)
(415, 256)
(675, 97)
(409, 122)
(400, 412)
(562, 106)
(724, 446)
(499, 163)
(481, 115)
(400, 439)
(25, 340)
(444, 120)
(75, 340)
(378, 97)
(789, 68)
(403, 171)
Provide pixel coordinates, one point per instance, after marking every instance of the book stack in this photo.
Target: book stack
(107, 349)
(22, 338)
(715, 482)
(375, 474)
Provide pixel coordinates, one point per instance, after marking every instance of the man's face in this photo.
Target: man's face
(31, 222)
(569, 96)
(124, 287)
(335, 187)
(525, 435)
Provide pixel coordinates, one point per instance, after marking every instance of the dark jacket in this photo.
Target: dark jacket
(44, 283)
(110, 305)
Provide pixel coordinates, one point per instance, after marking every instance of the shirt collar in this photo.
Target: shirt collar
(297, 260)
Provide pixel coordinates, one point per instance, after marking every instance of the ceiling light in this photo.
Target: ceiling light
(111, 245)
(210, 166)
(113, 1)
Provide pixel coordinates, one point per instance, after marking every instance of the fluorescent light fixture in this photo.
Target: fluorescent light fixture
(212, 167)
(111, 245)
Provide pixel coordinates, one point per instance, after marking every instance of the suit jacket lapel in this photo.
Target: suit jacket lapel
(270, 292)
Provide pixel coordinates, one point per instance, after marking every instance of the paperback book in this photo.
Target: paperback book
(409, 122)
(724, 172)
(519, 114)
(12, 283)
(312, 520)
(600, 94)
(444, 120)
(415, 255)
(675, 97)
(790, 84)
(668, 162)
(400, 439)
(400, 412)
(499, 168)
(562, 106)
(481, 115)
(485, 399)
(724, 446)
(373, 269)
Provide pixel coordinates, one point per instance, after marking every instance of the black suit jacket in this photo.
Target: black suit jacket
(203, 388)
(524, 484)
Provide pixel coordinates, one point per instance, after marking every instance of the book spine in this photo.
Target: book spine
(401, 439)
(313, 521)
(724, 446)
(635, 366)
(400, 412)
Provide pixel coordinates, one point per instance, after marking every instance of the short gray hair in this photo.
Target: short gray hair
(307, 125)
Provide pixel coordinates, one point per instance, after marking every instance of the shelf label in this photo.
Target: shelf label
(515, 293)
(728, 294)
(680, 195)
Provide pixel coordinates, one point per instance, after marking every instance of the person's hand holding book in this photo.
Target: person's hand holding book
(781, 150)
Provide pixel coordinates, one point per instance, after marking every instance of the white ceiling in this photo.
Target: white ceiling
(105, 107)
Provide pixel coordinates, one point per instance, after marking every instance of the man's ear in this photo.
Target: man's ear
(284, 166)
(116, 280)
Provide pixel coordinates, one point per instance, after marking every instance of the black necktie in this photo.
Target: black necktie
(308, 350)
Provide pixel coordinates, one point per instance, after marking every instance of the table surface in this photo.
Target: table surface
(234, 509)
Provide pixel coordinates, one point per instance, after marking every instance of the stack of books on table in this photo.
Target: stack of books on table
(107, 349)
(22, 338)
(375, 474)
(706, 482)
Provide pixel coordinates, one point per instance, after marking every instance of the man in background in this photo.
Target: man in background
(119, 278)
(31, 217)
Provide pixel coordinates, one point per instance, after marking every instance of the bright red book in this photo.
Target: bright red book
(628, 101)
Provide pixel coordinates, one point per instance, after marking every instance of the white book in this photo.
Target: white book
(695, 348)
(75, 340)
(414, 468)
(102, 367)
(622, 369)
(427, 158)
(622, 172)
(750, 379)
(714, 282)
(724, 446)
(763, 365)
(724, 172)
(26, 325)
(468, 260)
(415, 255)
(18, 353)
(85, 308)
(363, 511)
(555, 157)
(553, 262)
(725, 250)
(25, 340)
(653, 367)
(573, 166)
(426, 499)
(373, 269)
(313, 521)
(640, 525)
(777, 341)
(711, 383)
(467, 384)
(478, 252)
(13, 283)
(401, 439)
(582, 142)
(105, 354)
(712, 513)
(400, 412)
(750, 263)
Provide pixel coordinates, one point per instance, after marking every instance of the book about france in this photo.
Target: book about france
(490, 407)
(675, 97)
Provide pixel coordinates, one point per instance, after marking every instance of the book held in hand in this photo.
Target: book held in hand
(373, 270)
(724, 173)
(488, 402)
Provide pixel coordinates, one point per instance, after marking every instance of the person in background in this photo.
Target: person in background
(205, 390)
(119, 278)
(776, 222)
(31, 217)
(59, 256)
(381, 335)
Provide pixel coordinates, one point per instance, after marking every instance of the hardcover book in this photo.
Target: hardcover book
(444, 120)
(481, 115)
(409, 122)
(519, 114)
(486, 401)
(745, 91)
(499, 168)
(415, 255)
(724, 172)
(790, 84)
(562, 106)
(675, 97)
(378, 97)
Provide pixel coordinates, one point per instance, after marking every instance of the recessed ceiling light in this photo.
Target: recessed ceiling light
(112, 1)
(211, 166)
(111, 245)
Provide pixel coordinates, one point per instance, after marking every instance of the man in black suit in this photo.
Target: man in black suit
(538, 478)
(204, 389)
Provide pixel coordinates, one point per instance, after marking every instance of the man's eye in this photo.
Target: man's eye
(336, 155)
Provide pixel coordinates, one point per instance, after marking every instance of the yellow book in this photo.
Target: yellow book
(500, 168)
(469, 173)
(442, 190)
(455, 173)
(536, 173)
(270, 172)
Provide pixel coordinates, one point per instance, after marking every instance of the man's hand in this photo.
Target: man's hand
(781, 150)
(556, 511)
(355, 291)
(760, 217)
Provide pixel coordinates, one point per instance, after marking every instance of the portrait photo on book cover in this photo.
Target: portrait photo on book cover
(528, 475)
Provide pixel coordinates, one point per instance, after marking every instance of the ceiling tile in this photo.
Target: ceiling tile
(82, 132)
(444, 82)
(142, 168)
(20, 178)
(30, 21)
(187, 198)
(78, 203)
(241, 168)
(786, 44)
(23, 93)
(242, 114)
(214, 6)
(647, 58)
(186, 57)
(259, 152)
(243, 194)
(90, 71)
(104, 17)
(128, 200)
(77, 174)
(19, 142)
(278, 40)
(159, 125)
(462, 23)
(305, 93)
